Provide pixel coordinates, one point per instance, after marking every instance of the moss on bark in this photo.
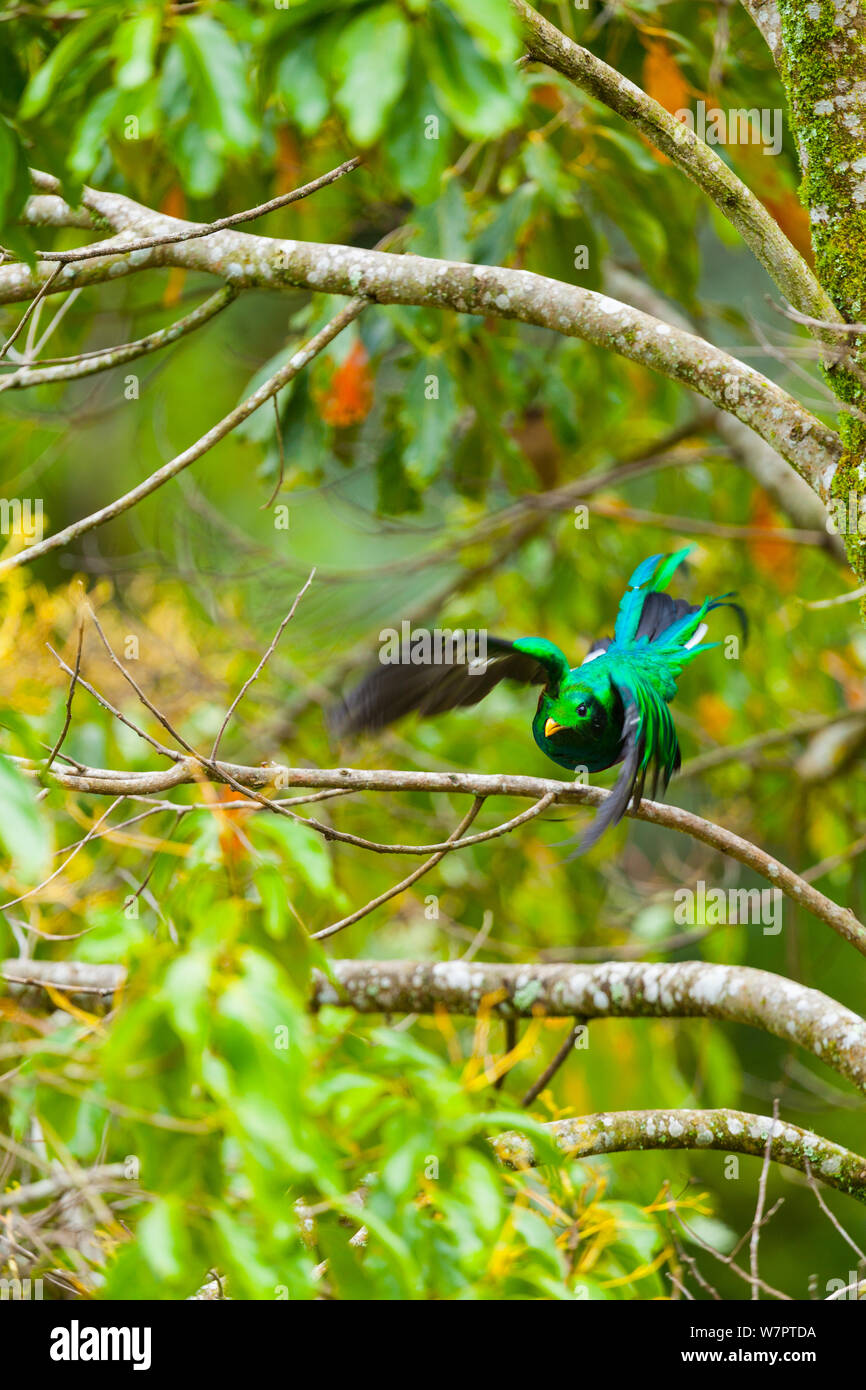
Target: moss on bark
(824, 70)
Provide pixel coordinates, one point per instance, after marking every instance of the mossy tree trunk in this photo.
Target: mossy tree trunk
(822, 60)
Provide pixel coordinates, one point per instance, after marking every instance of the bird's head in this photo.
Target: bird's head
(574, 711)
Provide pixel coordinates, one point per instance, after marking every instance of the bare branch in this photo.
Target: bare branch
(834, 1220)
(758, 1221)
(260, 667)
(290, 369)
(102, 360)
(561, 1056)
(102, 781)
(192, 231)
(32, 308)
(412, 878)
(489, 291)
(73, 681)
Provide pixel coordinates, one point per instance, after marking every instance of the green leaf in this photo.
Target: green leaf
(494, 25)
(218, 72)
(305, 851)
(444, 225)
(416, 146)
(25, 832)
(134, 48)
(498, 241)
(482, 98)
(302, 88)
(62, 60)
(161, 1238)
(430, 421)
(14, 178)
(89, 140)
(372, 62)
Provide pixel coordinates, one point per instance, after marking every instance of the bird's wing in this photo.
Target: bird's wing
(390, 691)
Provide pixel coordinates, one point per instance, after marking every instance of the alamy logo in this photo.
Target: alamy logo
(21, 516)
(847, 515)
(736, 127)
(718, 906)
(75, 1343)
(21, 1290)
(438, 646)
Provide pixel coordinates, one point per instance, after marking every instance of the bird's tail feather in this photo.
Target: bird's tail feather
(646, 611)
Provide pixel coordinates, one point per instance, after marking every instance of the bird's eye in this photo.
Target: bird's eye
(581, 709)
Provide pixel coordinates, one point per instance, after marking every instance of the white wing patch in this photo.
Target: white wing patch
(596, 651)
(697, 636)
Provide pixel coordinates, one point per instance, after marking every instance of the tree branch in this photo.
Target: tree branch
(739, 994)
(108, 782)
(782, 261)
(298, 360)
(765, 13)
(687, 989)
(246, 261)
(731, 1131)
(88, 363)
(791, 492)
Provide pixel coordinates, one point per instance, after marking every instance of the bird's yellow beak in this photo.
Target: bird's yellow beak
(551, 727)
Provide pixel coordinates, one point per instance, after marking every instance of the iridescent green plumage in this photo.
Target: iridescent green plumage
(614, 707)
(611, 709)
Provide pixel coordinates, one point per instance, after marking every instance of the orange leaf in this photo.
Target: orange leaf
(777, 559)
(288, 163)
(715, 715)
(349, 396)
(766, 180)
(662, 78)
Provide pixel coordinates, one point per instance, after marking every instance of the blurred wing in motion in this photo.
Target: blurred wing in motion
(390, 691)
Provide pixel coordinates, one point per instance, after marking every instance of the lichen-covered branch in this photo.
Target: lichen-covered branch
(79, 979)
(731, 1131)
(765, 13)
(820, 1025)
(108, 782)
(791, 492)
(782, 261)
(246, 261)
(615, 989)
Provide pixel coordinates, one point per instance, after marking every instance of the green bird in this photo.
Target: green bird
(611, 709)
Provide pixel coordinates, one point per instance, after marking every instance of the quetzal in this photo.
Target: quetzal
(613, 708)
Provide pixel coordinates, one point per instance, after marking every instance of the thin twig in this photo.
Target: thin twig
(112, 709)
(406, 882)
(103, 359)
(834, 1220)
(194, 233)
(550, 1071)
(281, 472)
(31, 308)
(755, 1235)
(262, 663)
(72, 684)
(66, 862)
(290, 369)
